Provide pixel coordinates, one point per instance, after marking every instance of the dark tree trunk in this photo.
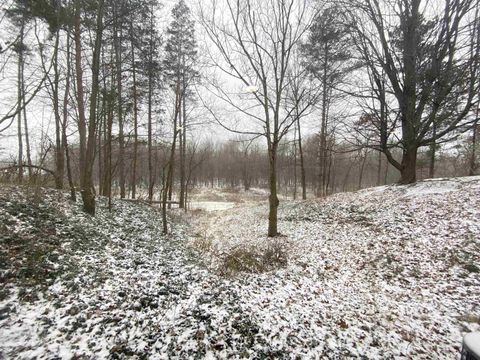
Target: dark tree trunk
(82, 124)
(408, 166)
(183, 146)
(433, 149)
(121, 140)
(135, 116)
(273, 198)
(66, 95)
(19, 108)
(473, 156)
(362, 168)
(151, 179)
(302, 163)
(59, 150)
(89, 142)
(379, 169)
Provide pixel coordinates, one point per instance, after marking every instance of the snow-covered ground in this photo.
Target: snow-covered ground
(388, 272)
(210, 205)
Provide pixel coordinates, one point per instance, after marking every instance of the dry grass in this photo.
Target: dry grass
(254, 259)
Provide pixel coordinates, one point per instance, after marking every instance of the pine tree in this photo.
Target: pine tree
(327, 58)
(180, 73)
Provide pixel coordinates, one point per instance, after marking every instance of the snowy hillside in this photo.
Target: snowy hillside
(389, 272)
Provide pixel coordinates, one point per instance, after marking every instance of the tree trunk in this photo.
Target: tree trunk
(379, 169)
(164, 199)
(177, 116)
(387, 165)
(273, 198)
(88, 157)
(433, 149)
(295, 162)
(27, 137)
(323, 127)
(101, 149)
(59, 151)
(66, 95)
(408, 166)
(135, 116)
(118, 66)
(168, 179)
(19, 109)
(82, 125)
(473, 155)
(302, 162)
(362, 168)
(149, 125)
(183, 145)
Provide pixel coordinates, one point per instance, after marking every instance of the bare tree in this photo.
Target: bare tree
(256, 40)
(431, 72)
(87, 137)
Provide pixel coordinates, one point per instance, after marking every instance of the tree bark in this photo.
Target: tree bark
(66, 95)
(408, 166)
(302, 162)
(433, 149)
(87, 143)
(149, 125)
(473, 156)
(273, 198)
(135, 115)
(118, 66)
(19, 107)
(183, 145)
(82, 125)
(59, 151)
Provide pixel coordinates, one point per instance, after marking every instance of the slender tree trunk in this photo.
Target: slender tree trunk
(66, 95)
(25, 122)
(362, 168)
(302, 162)
(323, 127)
(89, 142)
(379, 169)
(164, 199)
(273, 198)
(387, 165)
(135, 116)
(329, 172)
(473, 156)
(59, 150)
(121, 140)
(433, 149)
(171, 167)
(168, 179)
(27, 137)
(19, 107)
(101, 149)
(183, 145)
(149, 125)
(108, 155)
(295, 162)
(82, 123)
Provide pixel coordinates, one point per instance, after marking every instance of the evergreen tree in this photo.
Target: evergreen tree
(328, 58)
(180, 73)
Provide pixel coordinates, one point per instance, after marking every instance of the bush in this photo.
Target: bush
(254, 259)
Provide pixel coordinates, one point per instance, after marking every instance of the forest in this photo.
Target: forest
(239, 178)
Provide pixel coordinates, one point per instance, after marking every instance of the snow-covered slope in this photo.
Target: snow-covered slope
(389, 272)
(381, 273)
